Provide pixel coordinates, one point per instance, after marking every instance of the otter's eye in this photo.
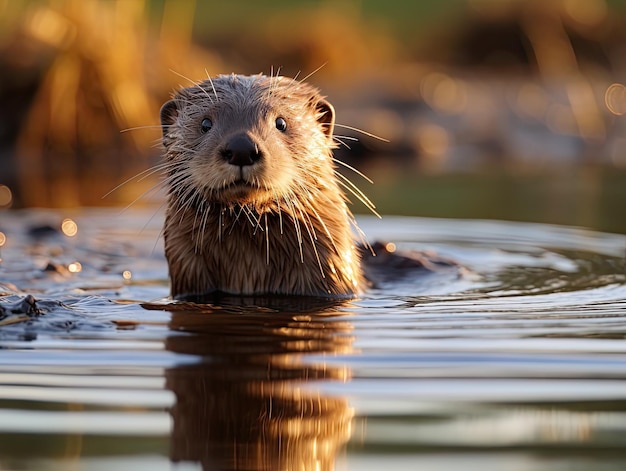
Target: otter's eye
(206, 125)
(281, 124)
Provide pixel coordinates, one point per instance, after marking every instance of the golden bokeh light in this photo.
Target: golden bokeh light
(6, 196)
(75, 267)
(69, 227)
(433, 140)
(444, 93)
(51, 27)
(615, 99)
(586, 12)
(388, 124)
(390, 247)
(532, 101)
(3, 239)
(127, 275)
(560, 119)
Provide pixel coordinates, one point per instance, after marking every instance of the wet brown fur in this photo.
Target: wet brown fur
(280, 226)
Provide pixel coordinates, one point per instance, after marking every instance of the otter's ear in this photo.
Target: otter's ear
(326, 117)
(169, 113)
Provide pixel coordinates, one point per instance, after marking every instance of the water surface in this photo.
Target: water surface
(519, 363)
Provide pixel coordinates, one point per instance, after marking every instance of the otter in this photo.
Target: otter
(255, 205)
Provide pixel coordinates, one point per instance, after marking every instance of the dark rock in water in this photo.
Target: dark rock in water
(25, 318)
(27, 305)
(43, 230)
(52, 267)
(386, 265)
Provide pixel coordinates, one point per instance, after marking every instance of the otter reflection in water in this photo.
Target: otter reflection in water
(248, 403)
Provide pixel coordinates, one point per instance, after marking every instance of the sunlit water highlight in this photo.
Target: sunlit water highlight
(519, 362)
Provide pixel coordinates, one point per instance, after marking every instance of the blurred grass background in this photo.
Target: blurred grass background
(505, 109)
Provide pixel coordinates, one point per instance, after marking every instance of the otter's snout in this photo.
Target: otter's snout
(241, 150)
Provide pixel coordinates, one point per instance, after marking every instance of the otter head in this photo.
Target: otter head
(254, 204)
(247, 140)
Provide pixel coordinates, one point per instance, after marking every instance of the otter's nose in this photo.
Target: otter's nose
(241, 150)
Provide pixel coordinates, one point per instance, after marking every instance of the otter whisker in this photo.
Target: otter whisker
(153, 189)
(247, 212)
(278, 208)
(160, 234)
(163, 169)
(306, 220)
(137, 128)
(273, 81)
(220, 224)
(205, 214)
(335, 138)
(180, 210)
(362, 236)
(296, 224)
(237, 215)
(341, 140)
(255, 222)
(184, 189)
(324, 227)
(313, 73)
(365, 133)
(267, 241)
(143, 174)
(184, 153)
(312, 236)
(185, 201)
(212, 86)
(180, 182)
(200, 234)
(156, 143)
(356, 192)
(195, 234)
(193, 82)
(154, 213)
(349, 138)
(350, 167)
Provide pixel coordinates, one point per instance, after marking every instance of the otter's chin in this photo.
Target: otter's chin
(242, 192)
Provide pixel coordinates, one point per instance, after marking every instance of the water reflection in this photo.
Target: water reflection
(521, 367)
(250, 401)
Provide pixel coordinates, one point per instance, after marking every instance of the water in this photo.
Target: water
(519, 364)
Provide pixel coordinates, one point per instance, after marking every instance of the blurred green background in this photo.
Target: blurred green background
(502, 109)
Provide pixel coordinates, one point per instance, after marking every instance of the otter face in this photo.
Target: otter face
(247, 140)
